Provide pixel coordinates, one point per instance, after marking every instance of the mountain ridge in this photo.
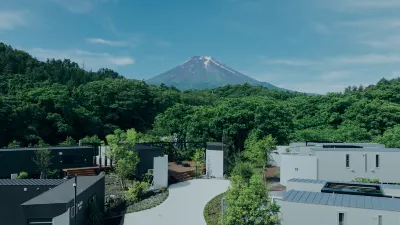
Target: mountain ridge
(205, 72)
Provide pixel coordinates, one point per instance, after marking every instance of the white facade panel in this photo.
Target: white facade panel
(332, 165)
(62, 219)
(303, 186)
(308, 214)
(215, 163)
(276, 155)
(160, 172)
(295, 166)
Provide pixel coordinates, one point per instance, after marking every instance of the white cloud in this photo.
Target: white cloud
(337, 75)
(12, 19)
(81, 6)
(388, 42)
(377, 23)
(290, 62)
(163, 43)
(107, 42)
(322, 29)
(91, 60)
(370, 4)
(367, 59)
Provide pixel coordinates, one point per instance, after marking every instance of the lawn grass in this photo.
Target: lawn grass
(212, 210)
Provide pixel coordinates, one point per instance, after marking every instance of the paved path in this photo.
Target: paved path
(184, 205)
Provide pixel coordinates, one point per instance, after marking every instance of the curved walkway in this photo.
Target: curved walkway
(184, 205)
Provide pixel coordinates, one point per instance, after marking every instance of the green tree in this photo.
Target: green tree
(248, 203)
(122, 151)
(258, 151)
(23, 175)
(14, 144)
(391, 137)
(199, 160)
(42, 159)
(69, 141)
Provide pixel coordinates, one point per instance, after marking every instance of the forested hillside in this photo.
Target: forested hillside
(56, 99)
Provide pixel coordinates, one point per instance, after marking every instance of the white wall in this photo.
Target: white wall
(295, 166)
(102, 153)
(160, 172)
(308, 214)
(303, 186)
(332, 165)
(276, 157)
(62, 219)
(215, 163)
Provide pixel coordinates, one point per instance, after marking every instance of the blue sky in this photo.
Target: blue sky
(314, 46)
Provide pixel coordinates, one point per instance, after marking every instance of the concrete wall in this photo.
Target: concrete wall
(308, 214)
(302, 186)
(276, 155)
(160, 172)
(332, 165)
(8, 165)
(215, 163)
(62, 219)
(11, 198)
(294, 166)
(105, 161)
(82, 201)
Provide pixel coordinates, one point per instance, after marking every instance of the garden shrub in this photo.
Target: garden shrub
(137, 191)
(23, 175)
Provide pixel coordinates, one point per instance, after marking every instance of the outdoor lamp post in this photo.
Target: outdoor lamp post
(75, 182)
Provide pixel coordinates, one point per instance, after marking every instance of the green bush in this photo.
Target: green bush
(366, 180)
(137, 191)
(23, 175)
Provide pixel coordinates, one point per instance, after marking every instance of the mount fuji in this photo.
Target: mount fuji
(204, 72)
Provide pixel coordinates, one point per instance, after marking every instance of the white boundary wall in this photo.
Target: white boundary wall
(295, 166)
(160, 172)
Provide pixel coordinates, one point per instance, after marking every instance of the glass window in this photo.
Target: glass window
(347, 160)
(341, 219)
(377, 161)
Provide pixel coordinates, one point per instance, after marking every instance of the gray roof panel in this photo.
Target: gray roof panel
(357, 149)
(360, 202)
(31, 182)
(338, 200)
(64, 193)
(304, 197)
(50, 148)
(324, 199)
(384, 186)
(346, 200)
(311, 197)
(352, 201)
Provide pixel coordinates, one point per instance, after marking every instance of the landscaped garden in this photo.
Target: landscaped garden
(212, 211)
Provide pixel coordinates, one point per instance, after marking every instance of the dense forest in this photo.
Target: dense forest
(53, 100)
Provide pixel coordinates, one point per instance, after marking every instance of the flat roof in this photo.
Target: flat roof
(50, 148)
(365, 149)
(64, 193)
(30, 182)
(343, 200)
(300, 180)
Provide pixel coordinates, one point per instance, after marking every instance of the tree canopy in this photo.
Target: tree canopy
(56, 101)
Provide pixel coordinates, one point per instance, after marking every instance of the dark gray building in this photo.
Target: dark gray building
(51, 201)
(15, 192)
(146, 155)
(62, 158)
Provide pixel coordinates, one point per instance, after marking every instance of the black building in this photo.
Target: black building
(15, 192)
(41, 201)
(146, 155)
(14, 161)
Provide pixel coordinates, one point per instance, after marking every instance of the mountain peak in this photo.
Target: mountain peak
(201, 72)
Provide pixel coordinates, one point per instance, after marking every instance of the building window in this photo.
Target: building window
(379, 219)
(72, 211)
(341, 219)
(347, 160)
(377, 161)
